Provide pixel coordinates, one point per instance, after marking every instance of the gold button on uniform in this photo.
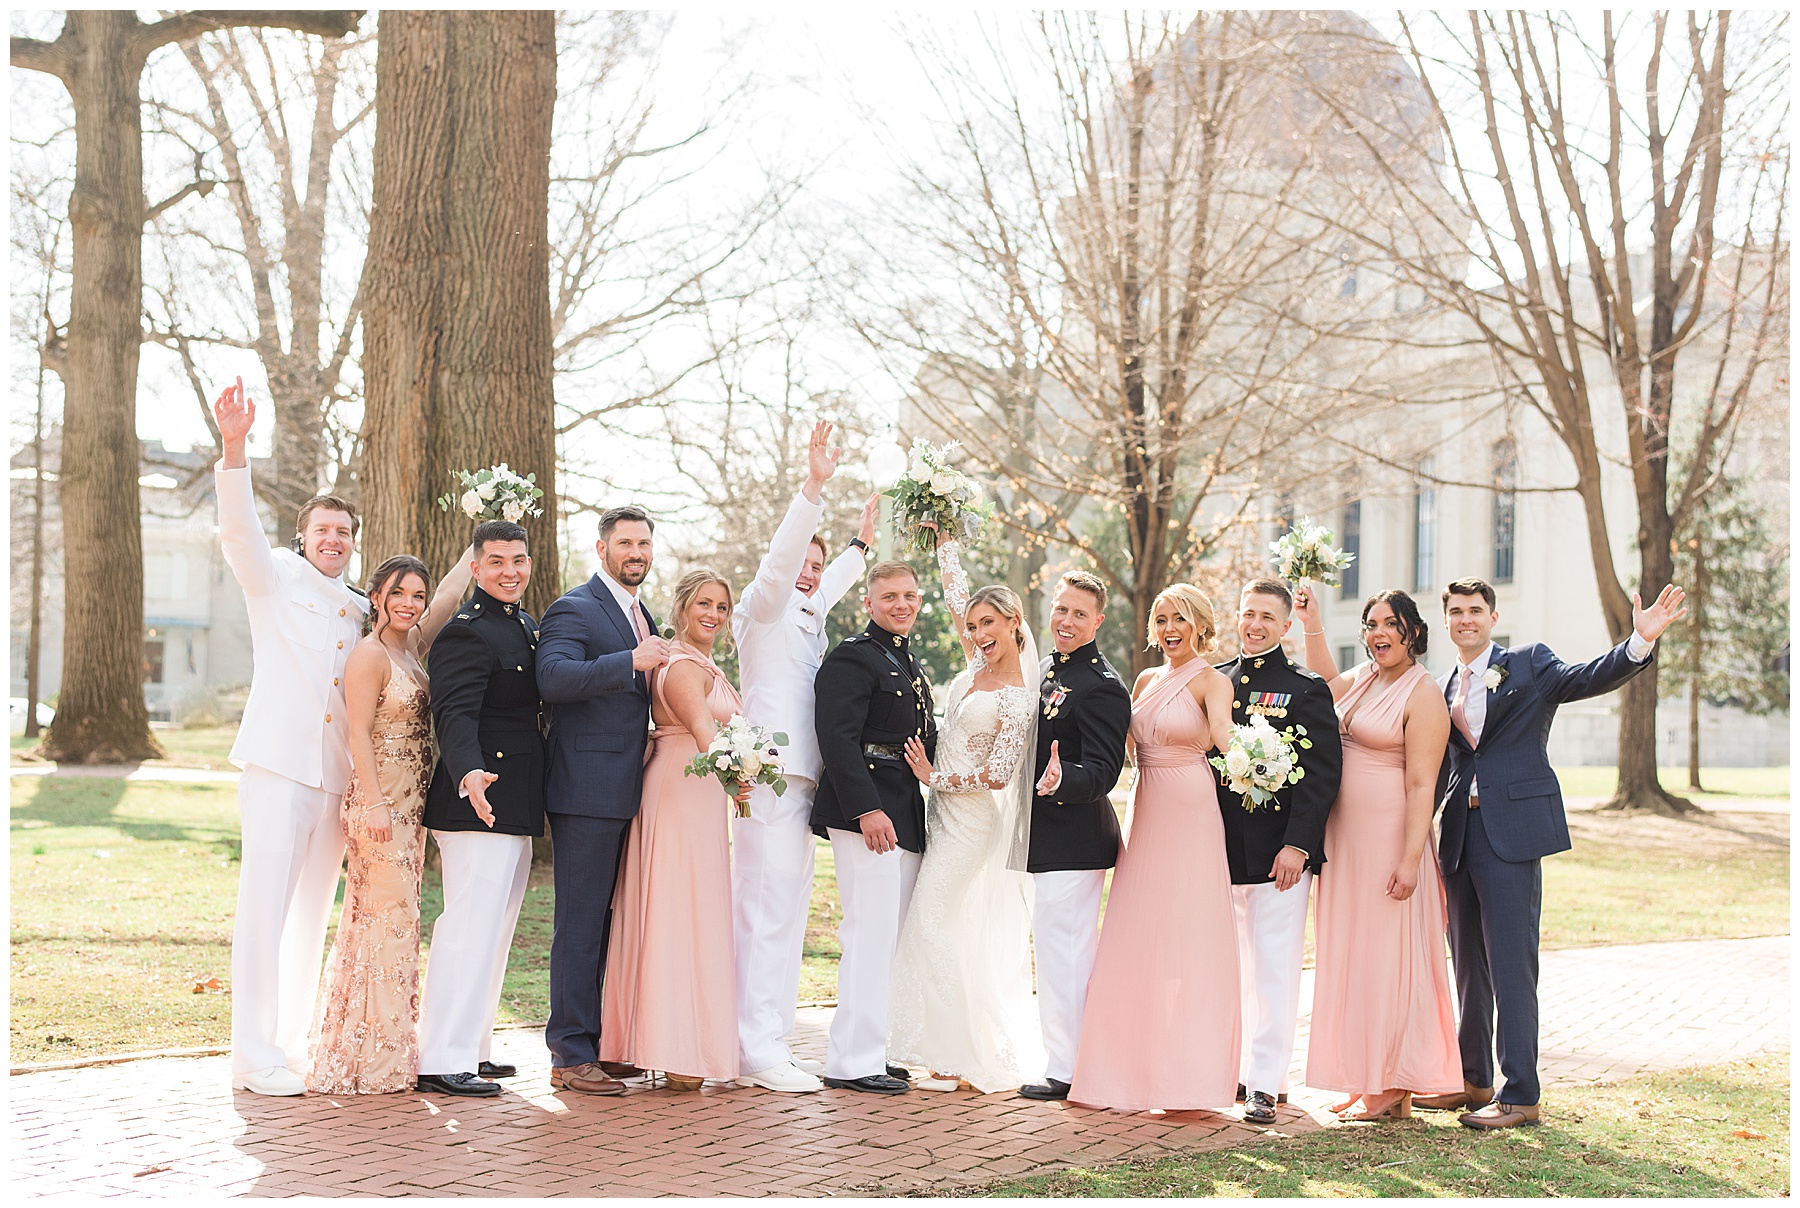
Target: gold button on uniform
(340, 645)
(1244, 679)
(499, 754)
(341, 612)
(334, 681)
(328, 717)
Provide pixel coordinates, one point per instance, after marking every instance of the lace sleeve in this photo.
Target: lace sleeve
(956, 579)
(1005, 755)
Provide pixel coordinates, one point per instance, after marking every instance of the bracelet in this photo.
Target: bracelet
(860, 544)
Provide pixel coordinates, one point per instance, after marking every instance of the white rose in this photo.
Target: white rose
(471, 503)
(918, 469)
(1491, 679)
(1236, 762)
(943, 482)
(751, 764)
(512, 509)
(486, 490)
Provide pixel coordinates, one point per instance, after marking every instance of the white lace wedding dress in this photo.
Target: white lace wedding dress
(960, 994)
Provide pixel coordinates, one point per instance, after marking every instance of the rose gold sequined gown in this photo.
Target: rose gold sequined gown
(367, 1040)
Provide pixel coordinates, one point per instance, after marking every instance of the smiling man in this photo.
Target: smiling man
(484, 806)
(294, 748)
(871, 696)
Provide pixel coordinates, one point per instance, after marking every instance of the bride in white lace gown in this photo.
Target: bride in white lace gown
(960, 999)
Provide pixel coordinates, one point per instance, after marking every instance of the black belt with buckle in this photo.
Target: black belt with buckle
(884, 750)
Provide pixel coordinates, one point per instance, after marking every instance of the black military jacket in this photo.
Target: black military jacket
(1085, 709)
(1287, 695)
(871, 692)
(484, 703)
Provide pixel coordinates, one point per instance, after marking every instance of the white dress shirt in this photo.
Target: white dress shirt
(780, 634)
(1475, 707)
(625, 597)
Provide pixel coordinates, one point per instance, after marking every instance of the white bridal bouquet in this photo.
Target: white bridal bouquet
(741, 754)
(1261, 760)
(934, 492)
(495, 493)
(1306, 552)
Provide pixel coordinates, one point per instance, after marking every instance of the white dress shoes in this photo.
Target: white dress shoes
(807, 1065)
(784, 1077)
(277, 1080)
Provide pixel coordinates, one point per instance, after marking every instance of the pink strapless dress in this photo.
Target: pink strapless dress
(1161, 1028)
(1382, 1017)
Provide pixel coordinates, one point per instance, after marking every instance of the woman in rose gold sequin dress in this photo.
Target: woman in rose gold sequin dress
(366, 1041)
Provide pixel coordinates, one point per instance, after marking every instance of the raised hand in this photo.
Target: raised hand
(650, 653)
(1668, 609)
(866, 527)
(475, 785)
(235, 414)
(1306, 608)
(1052, 777)
(821, 460)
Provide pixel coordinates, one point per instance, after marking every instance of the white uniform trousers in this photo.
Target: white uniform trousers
(771, 893)
(484, 884)
(293, 848)
(874, 891)
(1271, 933)
(1065, 935)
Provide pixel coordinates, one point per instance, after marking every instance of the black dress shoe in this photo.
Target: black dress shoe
(464, 1083)
(875, 1084)
(899, 1071)
(1281, 1098)
(1049, 1088)
(1260, 1108)
(497, 1069)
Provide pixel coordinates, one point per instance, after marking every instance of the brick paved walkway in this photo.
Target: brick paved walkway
(169, 1127)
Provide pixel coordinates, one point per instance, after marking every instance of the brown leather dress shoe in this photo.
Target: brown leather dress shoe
(1501, 1115)
(1469, 1098)
(621, 1069)
(587, 1079)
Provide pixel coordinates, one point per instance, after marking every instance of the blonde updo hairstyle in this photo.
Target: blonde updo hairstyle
(1005, 601)
(688, 586)
(1190, 603)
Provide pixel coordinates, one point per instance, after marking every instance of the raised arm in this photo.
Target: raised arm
(1318, 649)
(769, 592)
(241, 534)
(450, 591)
(846, 569)
(956, 597)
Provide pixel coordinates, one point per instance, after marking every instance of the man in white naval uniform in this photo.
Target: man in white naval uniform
(293, 747)
(779, 625)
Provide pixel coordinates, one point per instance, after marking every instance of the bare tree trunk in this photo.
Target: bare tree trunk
(1696, 659)
(457, 329)
(99, 56)
(35, 639)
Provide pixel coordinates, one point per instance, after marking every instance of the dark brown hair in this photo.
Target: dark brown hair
(384, 577)
(1470, 587)
(1268, 587)
(1412, 625)
(331, 503)
(498, 530)
(611, 518)
(820, 542)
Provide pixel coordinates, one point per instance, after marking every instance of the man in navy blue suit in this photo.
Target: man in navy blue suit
(1502, 814)
(595, 645)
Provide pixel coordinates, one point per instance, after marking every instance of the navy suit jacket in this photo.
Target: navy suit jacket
(600, 722)
(1521, 799)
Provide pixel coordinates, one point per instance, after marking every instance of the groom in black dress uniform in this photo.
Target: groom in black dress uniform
(1274, 850)
(1084, 712)
(870, 696)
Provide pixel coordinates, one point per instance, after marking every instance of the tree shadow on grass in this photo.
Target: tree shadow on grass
(74, 802)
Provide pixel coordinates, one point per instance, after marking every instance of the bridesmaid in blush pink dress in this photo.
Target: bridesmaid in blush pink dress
(670, 998)
(1383, 1026)
(1161, 1029)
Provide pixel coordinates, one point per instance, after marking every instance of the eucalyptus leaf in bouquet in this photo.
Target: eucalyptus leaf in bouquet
(935, 501)
(1260, 760)
(741, 754)
(495, 493)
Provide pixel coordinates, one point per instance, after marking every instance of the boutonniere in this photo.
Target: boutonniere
(1492, 678)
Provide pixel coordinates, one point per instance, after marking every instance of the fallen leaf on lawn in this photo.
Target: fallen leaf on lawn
(209, 984)
(1748, 1135)
(138, 1174)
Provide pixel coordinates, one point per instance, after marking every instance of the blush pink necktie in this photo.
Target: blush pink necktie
(637, 621)
(1459, 716)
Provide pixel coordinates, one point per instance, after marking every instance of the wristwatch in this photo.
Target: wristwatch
(860, 544)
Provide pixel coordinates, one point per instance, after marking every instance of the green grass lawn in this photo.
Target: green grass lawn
(1722, 784)
(1715, 1131)
(123, 892)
